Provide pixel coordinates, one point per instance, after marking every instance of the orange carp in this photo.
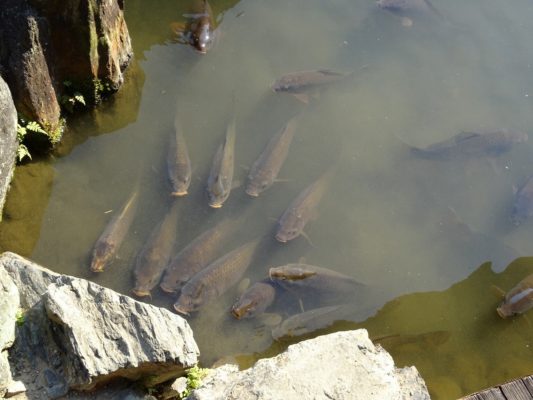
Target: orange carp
(518, 300)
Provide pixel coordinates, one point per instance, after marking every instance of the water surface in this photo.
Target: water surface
(386, 218)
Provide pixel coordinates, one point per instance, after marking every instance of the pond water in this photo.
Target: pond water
(400, 224)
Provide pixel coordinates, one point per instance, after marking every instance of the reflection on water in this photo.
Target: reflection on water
(385, 219)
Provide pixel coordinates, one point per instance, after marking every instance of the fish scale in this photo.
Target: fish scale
(215, 279)
(196, 255)
(179, 163)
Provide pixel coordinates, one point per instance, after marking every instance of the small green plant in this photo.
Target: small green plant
(194, 379)
(23, 128)
(20, 316)
(71, 98)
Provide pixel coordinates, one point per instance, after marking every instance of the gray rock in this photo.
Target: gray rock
(8, 140)
(79, 335)
(9, 304)
(342, 365)
(32, 280)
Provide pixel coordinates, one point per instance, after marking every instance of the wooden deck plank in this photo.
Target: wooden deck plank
(528, 381)
(516, 390)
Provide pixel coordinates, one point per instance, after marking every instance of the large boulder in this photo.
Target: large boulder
(342, 365)
(8, 140)
(9, 304)
(79, 335)
(52, 49)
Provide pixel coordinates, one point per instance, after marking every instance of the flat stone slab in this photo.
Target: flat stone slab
(342, 365)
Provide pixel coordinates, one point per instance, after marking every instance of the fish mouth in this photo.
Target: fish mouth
(236, 314)
(251, 193)
(167, 289)
(97, 268)
(181, 310)
(280, 239)
(502, 313)
(179, 193)
(215, 205)
(140, 292)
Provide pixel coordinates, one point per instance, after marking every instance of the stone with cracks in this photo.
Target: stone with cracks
(79, 335)
(8, 140)
(9, 304)
(342, 365)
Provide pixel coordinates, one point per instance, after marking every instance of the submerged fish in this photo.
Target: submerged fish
(155, 254)
(523, 203)
(313, 277)
(518, 300)
(178, 162)
(301, 83)
(220, 181)
(310, 321)
(303, 208)
(432, 339)
(472, 144)
(266, 168)
(255, 300)
(113, 235)
(214, 280)
(403, 6)
(197, 255)
(200, 30)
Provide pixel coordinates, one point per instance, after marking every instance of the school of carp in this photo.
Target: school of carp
(200, 272)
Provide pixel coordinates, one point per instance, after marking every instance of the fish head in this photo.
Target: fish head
(102, 254)
(203, 37)
(288, 231)
(217, 193)
(505, 310)
(244, 308)
(185, 304)
(180, 185)
(144, 283)
(291, 272)
(256, 187)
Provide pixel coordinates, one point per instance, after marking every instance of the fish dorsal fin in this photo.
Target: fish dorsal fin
(326, 71)
(466, 136)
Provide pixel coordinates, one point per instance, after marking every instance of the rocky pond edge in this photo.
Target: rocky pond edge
(66, 337)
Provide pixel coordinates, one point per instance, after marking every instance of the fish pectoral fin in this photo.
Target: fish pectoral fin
(308, 239)
(304, 98)
(301, 304)
(178, 28)
(497, 291)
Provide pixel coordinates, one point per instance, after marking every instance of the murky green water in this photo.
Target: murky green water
(385, 219)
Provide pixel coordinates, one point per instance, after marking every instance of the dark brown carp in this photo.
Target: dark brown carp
(301, 84)
(113, 235)
(523, 203)
(155, 254)
(220, 181)
(409, 7)
(200, 30)
(178, 162)
(428, 339)
(518, 300)
(197, 255)
(214, 280)
(292, 222)
(472, 144)
(255, 300)
(310, 321)
(314, 278)
(266, 168)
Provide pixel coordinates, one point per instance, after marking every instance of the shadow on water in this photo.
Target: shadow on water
(454, 337)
